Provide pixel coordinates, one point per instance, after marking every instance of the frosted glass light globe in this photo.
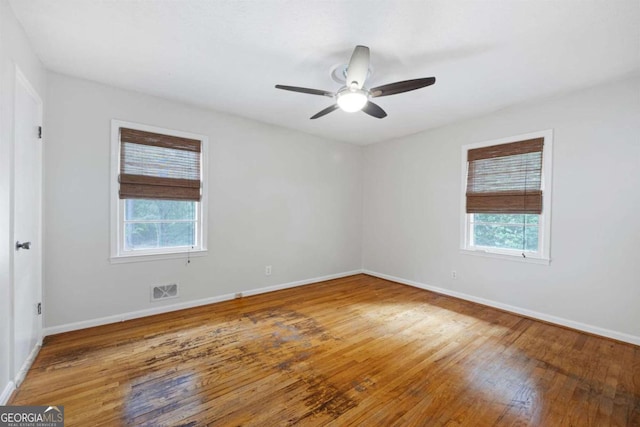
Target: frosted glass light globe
(350, 100)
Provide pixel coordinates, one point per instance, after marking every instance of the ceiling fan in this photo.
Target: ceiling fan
(354, 96)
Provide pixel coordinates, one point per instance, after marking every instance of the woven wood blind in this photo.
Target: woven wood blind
(156, 166)
(505, 178)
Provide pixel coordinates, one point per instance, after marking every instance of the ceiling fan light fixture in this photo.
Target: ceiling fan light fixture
(352, 100)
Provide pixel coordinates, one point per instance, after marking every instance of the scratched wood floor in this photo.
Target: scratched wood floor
(353, 351)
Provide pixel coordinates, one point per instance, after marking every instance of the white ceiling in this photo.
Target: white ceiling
(228, 54)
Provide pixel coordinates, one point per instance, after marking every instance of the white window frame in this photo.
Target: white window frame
(118, 253)
(544, 226)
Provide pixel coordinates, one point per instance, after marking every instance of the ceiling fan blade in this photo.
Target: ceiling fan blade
(374, 110)
(400, 87)
(358, 67)
(306, 90)
(326, 111)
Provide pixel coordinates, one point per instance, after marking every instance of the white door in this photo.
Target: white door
(27, 263)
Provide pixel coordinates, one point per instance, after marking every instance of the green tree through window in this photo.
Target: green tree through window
(159, 223)
(508, 231)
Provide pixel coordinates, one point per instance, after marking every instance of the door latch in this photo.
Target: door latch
(25, 245)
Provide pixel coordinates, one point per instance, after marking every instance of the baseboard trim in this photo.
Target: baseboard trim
(84, 324)
(299, 283)
(27, 364)
(68, 327)
(7, 392)
(595, 330)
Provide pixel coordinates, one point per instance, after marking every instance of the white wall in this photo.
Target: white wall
(277, 197)
(412, 215)
(14, 50)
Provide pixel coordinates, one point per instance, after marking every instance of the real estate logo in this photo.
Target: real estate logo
(31, 416)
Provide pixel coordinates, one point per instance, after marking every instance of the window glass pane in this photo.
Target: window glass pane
(149, 235)
(532, 219)
(531, 238)
(142, 209)
(506, 236)
(507, 218)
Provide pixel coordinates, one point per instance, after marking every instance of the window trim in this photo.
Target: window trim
(541, 257)
(117, 253)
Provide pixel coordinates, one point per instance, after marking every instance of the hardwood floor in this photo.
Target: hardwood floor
(353, 351)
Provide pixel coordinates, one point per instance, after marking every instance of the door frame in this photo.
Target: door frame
(17, 373)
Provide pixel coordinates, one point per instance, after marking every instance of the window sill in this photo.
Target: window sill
(517, 258)
(121, 259)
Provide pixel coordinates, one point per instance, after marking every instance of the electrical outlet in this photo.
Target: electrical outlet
(454, 275)
(267, 270)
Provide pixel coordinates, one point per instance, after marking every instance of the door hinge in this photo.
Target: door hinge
(39, 308)
(39, 132)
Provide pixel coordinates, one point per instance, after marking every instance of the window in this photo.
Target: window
(158, 193)
(506, 197)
